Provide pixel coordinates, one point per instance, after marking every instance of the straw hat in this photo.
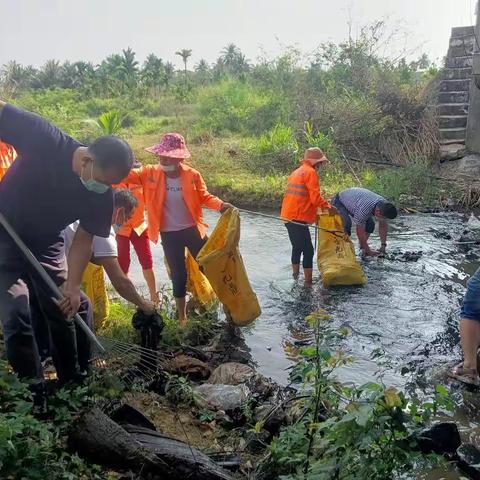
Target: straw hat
(171, 145)
(314, 156)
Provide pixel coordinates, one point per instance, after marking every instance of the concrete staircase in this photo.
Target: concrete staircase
(453, 96)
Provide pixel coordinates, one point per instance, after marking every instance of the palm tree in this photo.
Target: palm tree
(109, 123)
(69, 76)
(110, 74)
(184, 53)
(233, 60)
(229, 54)
(15, 76)
(168, 73)
(129, 66)
(203, 71)
(152, 72)
(50, 75)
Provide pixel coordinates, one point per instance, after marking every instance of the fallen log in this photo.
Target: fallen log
(189, 462)
(99, 439)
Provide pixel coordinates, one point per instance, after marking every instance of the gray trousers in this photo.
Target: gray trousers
(28, 313)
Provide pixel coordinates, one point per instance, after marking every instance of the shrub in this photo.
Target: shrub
(33, 449)
(320, 140)
(274, 151)
(413, 180)
(233, 106)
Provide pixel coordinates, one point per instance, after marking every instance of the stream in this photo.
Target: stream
(408, 309)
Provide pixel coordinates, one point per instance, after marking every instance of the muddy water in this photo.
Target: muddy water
(408, 309)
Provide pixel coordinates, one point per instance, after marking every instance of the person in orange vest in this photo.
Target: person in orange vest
(300, 203)
(174, 196)
(7, 156)
(135, 231)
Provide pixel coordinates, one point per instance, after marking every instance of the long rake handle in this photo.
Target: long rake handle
(35, 264)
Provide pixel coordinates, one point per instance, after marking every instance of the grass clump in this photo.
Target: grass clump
(118, 325)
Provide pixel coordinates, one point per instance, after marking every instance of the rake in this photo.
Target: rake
(107, 351)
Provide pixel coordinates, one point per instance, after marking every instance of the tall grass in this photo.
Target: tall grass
(238, 107)
(274, 151)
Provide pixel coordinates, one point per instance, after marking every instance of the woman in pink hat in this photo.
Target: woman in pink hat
(174, 196)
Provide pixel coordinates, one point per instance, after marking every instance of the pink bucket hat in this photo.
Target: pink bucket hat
(171, 145)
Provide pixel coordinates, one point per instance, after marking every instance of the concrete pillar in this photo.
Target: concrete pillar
(472, 141)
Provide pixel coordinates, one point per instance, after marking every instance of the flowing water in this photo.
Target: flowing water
(409, 309)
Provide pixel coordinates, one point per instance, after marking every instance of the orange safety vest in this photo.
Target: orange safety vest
(7, 156)
(302, 197)
(194, 190)
(137, 220)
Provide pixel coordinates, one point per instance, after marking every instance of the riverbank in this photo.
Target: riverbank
(388, 315)
(225, 166)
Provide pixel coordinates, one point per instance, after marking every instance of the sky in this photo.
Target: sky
(33, 31)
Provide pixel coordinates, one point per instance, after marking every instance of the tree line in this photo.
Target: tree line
(122, 72)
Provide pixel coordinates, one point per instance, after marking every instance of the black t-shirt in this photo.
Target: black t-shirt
(40, 194)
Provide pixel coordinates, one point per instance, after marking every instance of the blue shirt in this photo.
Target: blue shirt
(40, 194)
(360, 203)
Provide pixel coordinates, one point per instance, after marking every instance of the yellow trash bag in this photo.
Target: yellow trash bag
(93, 284)
(336, 257)
(222, 264)
(197, 283)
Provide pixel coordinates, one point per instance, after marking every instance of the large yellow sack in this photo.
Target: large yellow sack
(197, 283)
(336, 257)
(222, 264)
(93, 284)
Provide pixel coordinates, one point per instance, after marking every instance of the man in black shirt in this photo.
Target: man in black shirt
(54, 182)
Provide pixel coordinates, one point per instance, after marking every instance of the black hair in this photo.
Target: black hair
(388, 210)
(112, 153)
(123, 197)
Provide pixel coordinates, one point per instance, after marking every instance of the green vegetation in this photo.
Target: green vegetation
(247, 124)
(339, 431)
(119, 322)
(34, 449)
(201, 325)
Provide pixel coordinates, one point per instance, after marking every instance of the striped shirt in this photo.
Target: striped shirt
(360, 203)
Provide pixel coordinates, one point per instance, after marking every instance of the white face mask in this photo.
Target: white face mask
(168, 168)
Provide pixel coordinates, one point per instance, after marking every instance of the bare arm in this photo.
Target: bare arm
(383, 232)
(78, 258)
(122, 284)
(362, 238)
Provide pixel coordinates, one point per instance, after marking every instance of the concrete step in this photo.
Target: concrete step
(461, 47)
(459, 62)
(453, 97)
(451, 142)
(452, 108)
(462, 31)
(452, 121)
(455, 86)
(453, 133)
(467, 40)
(456, 73)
